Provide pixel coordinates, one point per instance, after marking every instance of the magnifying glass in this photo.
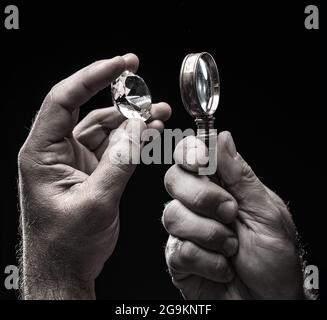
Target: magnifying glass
(200, 91)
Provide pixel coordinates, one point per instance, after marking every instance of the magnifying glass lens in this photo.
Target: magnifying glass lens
(200, 85)
(203, 85)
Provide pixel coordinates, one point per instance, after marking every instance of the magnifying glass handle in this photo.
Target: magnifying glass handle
(206, 133)
(206, 130)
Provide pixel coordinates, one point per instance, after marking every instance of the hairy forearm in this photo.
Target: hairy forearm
(44, 289)
(40, 282)
(45, 276)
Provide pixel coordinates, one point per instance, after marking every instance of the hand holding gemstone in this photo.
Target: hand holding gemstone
(131, 96)
(83, 168)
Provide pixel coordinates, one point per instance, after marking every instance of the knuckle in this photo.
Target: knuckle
(78, 134)
(170, 254)
(201, 198)
(23, 158)
(49, 98)
(69, 94)
(179, 255)
(170, 179)
(93, 115)
(88, 88)
(58, 96)
(55, 93)
(187, 253)
(170, 215)
(247, 173)
(21, 155)
(214, 236)
(219, 265)
(245, 169)
(173, 262)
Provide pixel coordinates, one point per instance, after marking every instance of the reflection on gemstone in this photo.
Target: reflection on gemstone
(131, 96)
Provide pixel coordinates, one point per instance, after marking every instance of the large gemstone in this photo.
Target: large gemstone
(131, 96)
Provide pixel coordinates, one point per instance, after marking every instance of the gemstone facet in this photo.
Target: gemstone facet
(131, 96)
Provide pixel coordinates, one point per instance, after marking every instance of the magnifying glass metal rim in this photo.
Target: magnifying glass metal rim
(187, 82)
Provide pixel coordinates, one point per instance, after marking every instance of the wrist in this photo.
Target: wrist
(38, 288)
(49, 275)
(53, 281)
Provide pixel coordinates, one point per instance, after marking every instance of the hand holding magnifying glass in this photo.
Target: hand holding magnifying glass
(200, 92)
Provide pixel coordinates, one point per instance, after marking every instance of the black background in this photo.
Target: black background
(272, 101)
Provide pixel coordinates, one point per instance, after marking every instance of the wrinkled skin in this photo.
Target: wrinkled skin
(260, 262)
(71, 178)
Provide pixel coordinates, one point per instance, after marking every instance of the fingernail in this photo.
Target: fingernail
(231, 146)
(126, 55)
(230, 246)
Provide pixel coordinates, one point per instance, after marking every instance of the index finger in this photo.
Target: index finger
(201, 195)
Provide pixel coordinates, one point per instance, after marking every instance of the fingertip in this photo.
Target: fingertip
(161, 111)
(230, 246)
(226, 144)
(223, 137)
(156, 124)
(132, 62)
(190, 153)
(227, 211)
(166, 111)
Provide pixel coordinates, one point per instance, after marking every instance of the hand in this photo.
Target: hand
(231, 242)
(71, 181)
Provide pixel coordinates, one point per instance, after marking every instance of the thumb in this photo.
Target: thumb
(118, 162)
(236, 175)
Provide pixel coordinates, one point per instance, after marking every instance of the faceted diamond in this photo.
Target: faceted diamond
(131, 96)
